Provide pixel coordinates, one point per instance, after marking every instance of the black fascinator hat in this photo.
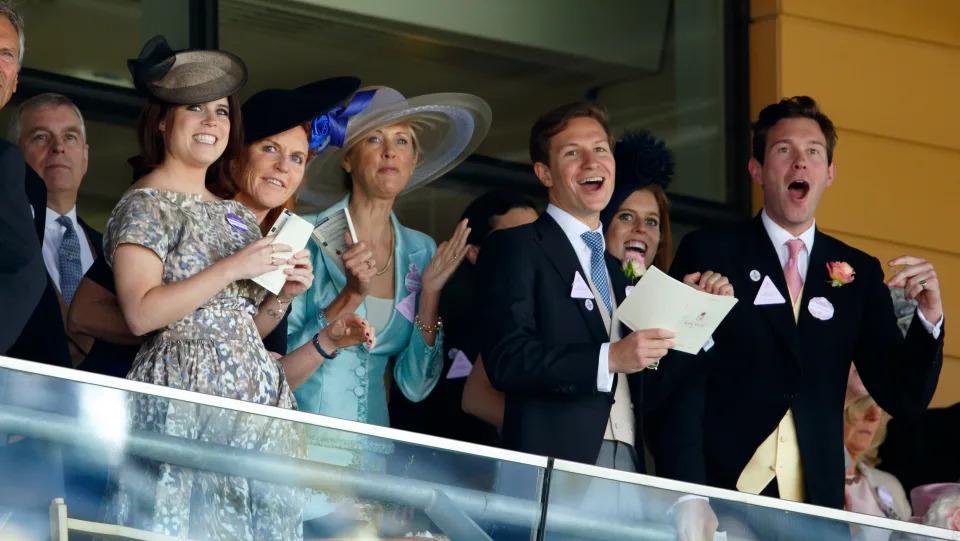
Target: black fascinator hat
(186, 77)
(276, 110)
(642, 160)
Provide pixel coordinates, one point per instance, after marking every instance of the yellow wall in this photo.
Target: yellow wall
(888, 74)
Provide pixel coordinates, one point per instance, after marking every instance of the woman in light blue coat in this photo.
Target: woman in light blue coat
(377, 147)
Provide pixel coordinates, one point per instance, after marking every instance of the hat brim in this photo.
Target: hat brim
(273, 111)
(200, 76)
(449, 127)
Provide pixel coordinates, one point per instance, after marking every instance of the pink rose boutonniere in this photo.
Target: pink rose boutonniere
(633, 266)
(840, 272)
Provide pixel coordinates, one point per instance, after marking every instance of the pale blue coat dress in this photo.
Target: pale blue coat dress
(351, 385)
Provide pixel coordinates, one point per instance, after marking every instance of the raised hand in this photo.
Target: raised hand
(639, 350)
(919, 281)
(448, 257)
(349, 330)
(299, 278)
(254, 259)
(710, 282)
(360, 267)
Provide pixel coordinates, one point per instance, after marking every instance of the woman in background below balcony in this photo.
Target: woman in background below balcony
(380, 146)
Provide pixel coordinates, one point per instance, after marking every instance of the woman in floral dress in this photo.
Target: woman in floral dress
(182, 259)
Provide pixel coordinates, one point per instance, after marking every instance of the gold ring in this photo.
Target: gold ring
(923, 283)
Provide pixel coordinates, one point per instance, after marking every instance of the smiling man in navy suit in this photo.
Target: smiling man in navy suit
(551, 342)
(765, 416)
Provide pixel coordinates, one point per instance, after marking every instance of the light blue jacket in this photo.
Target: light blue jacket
(351, 385)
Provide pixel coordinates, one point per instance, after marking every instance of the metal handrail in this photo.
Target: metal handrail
(478, 505)
(475, 503)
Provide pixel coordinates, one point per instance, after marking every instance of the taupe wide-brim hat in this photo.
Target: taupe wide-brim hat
(449, 127)
(186, 77)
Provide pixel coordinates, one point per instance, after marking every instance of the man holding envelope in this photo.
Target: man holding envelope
(551, 343)
(765, 416)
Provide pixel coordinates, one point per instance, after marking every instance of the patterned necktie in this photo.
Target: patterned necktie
(792, 270)
(598, 271)
(69, 260)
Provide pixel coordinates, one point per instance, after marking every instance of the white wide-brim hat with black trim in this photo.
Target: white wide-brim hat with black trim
(448, 126)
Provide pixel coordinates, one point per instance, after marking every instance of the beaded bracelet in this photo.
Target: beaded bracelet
(432, 329)
(324, 354)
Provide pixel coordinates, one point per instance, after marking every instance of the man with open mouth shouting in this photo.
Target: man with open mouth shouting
(766, 414)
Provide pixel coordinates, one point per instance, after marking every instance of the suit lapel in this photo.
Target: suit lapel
(88, 232)
(560, 253)
(759, 254)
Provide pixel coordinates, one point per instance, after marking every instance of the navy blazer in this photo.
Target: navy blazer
(541, 347)
(764, 362)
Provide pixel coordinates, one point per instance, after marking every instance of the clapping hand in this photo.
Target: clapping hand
(448, 257)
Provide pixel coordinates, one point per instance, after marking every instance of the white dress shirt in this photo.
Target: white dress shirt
(53, 236)
(779, 237)
(573, 228)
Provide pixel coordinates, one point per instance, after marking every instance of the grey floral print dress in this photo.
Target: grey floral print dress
(215, 350)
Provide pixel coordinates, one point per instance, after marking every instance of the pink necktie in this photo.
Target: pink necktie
(792, 271)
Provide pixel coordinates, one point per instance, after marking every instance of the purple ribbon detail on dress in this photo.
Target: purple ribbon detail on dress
(237, 222)
(408, 306)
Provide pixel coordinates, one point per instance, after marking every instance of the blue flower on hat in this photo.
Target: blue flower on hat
(320, 133)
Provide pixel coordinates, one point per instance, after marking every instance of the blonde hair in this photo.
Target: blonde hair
(860, 405)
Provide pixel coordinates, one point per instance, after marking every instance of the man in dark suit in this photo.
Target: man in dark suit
(31, 474)
(21, 266)
(765, 415)
(550, 341)
(50, 131)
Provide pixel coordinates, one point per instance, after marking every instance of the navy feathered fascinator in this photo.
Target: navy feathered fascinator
(642, 160)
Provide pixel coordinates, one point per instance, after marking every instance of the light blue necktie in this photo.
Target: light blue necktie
(71, 270)
(598, 270)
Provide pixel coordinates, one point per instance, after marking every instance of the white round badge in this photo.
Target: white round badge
(588, 303)
(755, 275)
(820, 308)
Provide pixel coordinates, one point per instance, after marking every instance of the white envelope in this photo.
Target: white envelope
(293, 231)
(661, 302)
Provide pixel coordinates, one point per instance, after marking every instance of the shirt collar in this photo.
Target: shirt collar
(52, 215)
(571, 226)
(779, 236)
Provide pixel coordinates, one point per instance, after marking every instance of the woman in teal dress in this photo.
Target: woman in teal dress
(380, 146)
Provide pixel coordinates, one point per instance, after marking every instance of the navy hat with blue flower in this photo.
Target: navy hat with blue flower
(276, 110)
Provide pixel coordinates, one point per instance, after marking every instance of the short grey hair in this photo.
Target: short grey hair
(40, 101)
(6, 10)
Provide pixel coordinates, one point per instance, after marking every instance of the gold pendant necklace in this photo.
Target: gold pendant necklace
(389, 259)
